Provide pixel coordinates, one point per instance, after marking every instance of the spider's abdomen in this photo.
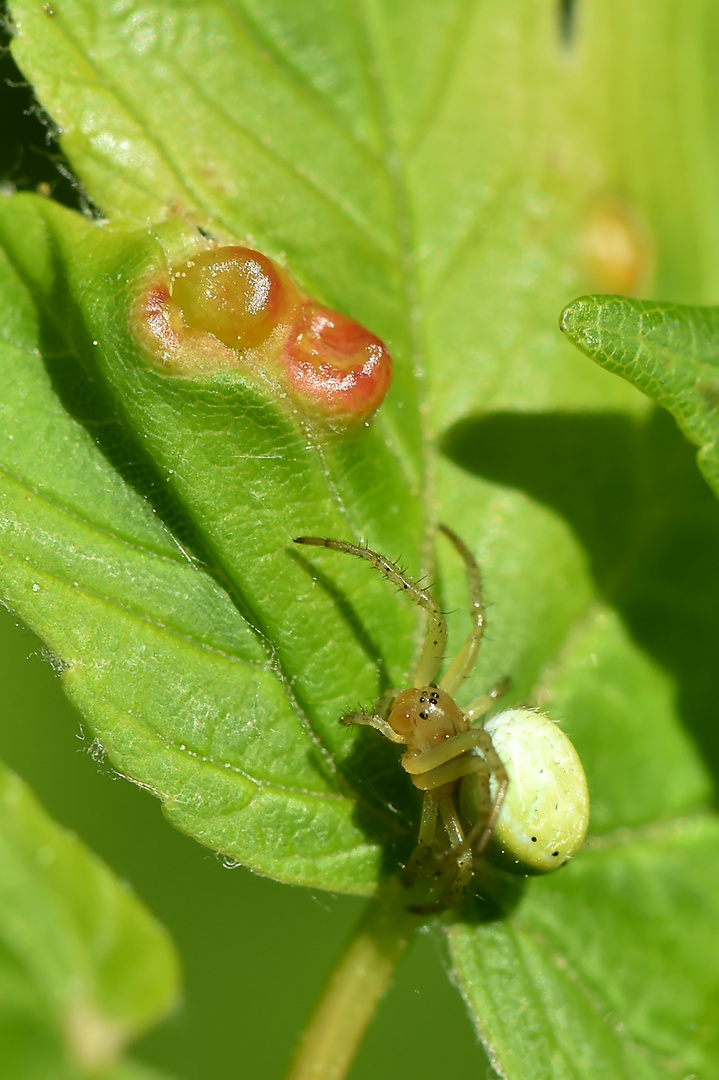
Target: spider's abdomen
(546, 810)
(425, 717)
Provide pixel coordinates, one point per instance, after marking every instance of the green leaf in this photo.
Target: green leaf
(84, 968)
(569, 987)
(440, 186)
(669, 351)
(187, 620)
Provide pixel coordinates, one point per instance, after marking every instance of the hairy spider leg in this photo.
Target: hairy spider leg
(436, 643)
(465, 658)
(378, 717)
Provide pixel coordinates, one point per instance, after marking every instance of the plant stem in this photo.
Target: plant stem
(355, 988)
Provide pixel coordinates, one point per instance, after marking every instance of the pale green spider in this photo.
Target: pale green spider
(512, 789)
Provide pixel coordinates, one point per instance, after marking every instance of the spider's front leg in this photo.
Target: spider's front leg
(433, 652)
(378, 718)
(464, 661)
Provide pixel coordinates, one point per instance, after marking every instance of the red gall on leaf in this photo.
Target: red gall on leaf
(231, 309)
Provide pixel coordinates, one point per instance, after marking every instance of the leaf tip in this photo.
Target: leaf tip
(577, 315)
(579, 322)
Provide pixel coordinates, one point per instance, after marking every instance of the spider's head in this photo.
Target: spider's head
(424, 717)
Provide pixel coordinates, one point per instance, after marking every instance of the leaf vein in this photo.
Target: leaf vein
(108, 85)
(321, 102)
(182, 559)
(140, 617)
(303, 176)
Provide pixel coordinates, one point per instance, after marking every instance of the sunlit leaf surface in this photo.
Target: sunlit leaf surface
(452, 188)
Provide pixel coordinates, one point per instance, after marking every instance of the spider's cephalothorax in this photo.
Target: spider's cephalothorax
(424, 717)
(512, 789)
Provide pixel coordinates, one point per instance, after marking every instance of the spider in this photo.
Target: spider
(512, 788)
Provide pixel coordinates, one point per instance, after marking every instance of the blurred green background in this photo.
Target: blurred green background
(247, 988)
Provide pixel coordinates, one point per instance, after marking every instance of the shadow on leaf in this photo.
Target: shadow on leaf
(372, 766)
(650, 525)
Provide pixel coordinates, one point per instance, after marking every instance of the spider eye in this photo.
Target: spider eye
(546, 811)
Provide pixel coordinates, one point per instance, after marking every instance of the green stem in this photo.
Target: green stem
(355, 988)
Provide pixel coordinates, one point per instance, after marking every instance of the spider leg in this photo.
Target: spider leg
(428, 821)
(456, 836)
(378, 717)
(484, 702)
(464, 661)
(369, 719)
(449, 772)
(449, 750)
(427, 829)
(436, 642)
(453, 873)
(481, 833)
